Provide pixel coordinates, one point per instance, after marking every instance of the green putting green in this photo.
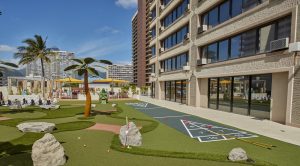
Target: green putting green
(162, 145)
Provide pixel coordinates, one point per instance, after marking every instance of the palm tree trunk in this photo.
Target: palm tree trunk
(88, 101)
(43, 78)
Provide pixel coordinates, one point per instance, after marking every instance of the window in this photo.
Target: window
(153, 51)
(175, 63)
(153, 32)
(266, 35)
(175, 14)
(284, 28)
(153, 68)
(246, 95)
(175, 38)
(223, 50)
(249, 4)
(224, 11)
(235, 50)
(248, 43)
(212, 51)
(176, 91)
(236, 8)
(165, 2)
(213, 17)
(153, 14)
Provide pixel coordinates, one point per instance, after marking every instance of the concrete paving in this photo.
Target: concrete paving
(263, 127)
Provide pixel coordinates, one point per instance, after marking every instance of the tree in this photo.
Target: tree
(5, 65)
(35, 50)
(84, 67)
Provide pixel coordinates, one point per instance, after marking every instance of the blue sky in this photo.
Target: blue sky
(94, 28)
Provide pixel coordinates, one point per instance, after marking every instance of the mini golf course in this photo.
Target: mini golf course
(163, 143)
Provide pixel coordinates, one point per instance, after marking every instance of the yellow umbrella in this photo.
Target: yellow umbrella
(110, 80)
(69, 80)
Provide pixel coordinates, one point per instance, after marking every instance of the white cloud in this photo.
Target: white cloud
(7, 48)
(127, 3)
(99, 48)
(107, 29)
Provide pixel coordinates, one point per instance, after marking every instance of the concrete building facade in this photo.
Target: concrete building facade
(120, 72)
(238, 56)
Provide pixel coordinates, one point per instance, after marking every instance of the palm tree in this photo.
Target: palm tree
(35, 50)
(84, 68)
(4, 65)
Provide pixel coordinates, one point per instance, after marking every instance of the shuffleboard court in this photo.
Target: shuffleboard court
(196, 127)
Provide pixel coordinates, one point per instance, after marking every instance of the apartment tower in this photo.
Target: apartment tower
(238, 56)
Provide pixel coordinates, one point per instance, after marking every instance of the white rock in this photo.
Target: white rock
(114, 105)
(130, 135)
(237, 154)
(47, 151)
(36, 127)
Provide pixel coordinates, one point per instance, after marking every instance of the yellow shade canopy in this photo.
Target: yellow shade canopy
(69, 80)
(110, 80)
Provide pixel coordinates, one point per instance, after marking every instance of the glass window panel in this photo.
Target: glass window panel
(261, 96)
(169, 64)
(213, 89)
(223, 50)
(249, 4)
(172, 90)
(205, 19)
(174, 63)
(284, 28)
(224, 12)
(224, 94)
(183, 60)
(213, 17)
(204, 54)
(249, 43)
(212, 53)
(266, 35)
(167, 90)
(178, 62)
(240, 95)
(236, 7)
(179, 36)
(235, 47)
(184, 91)
(178, 91)
(179, 10)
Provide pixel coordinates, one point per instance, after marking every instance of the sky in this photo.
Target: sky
(90, 28)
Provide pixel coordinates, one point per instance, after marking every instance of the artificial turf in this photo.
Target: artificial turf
(158, 140)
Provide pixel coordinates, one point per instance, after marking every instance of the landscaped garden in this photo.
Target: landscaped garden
(161, 144)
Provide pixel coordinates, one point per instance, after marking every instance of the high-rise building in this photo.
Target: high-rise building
(54, 69)
(120, 72)
(238, 56)
(140, 42)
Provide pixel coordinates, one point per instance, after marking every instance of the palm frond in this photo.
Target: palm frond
(107, 62)
(89, 60)
(81, 72)
(92, 71)
(72, 67)
(9, 64)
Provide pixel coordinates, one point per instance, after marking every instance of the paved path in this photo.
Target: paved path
(106, 127)
(4, 118)
(263, 127)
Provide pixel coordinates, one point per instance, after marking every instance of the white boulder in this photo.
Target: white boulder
(130, 135)
(36, 127)
(47, 151)
(114, 105)
(238, 154)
